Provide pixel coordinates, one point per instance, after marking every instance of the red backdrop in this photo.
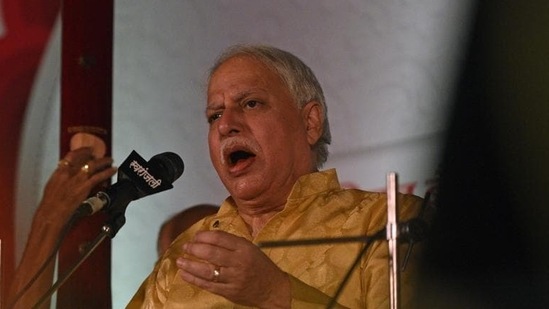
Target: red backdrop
(27, 28)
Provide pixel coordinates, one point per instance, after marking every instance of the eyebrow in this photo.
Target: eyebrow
(213, 106)
(241, 95)
(237, 98)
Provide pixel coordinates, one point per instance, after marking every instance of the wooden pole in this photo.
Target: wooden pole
(86, 119)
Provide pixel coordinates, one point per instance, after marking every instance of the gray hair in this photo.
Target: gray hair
(298, 77)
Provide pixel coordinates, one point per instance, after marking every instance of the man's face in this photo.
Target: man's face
(258, 138)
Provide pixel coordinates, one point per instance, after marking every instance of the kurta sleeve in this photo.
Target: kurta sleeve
(305, 296)
(154, 290)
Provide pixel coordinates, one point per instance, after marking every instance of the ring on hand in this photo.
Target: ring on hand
(85, 168)
(64, 162)
(216, 273)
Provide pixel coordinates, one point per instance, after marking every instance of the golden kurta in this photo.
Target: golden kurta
(317, 208)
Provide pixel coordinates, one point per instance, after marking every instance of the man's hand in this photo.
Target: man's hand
(234, 268)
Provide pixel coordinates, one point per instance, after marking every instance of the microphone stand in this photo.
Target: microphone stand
(113, 225)
(134, 182)
(392, 239)
(105, 231)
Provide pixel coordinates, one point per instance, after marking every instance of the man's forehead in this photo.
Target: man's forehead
(241, 66)
(238, 77)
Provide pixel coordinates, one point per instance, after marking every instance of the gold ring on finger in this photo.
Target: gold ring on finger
(216, 273)
(64, 163)
(85, 168)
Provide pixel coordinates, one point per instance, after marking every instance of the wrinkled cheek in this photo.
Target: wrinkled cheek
(213, 147)
(216, 160)
(216, 163)
(212, 153)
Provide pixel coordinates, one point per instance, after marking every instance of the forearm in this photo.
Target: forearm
(42, 240)
(67, 187)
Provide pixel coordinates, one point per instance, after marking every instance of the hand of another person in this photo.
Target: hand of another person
(236, 269)
(68, 186)
(71, 183)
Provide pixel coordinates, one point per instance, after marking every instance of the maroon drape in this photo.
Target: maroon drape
(86, 107)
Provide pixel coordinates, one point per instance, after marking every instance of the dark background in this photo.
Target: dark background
(489, 243)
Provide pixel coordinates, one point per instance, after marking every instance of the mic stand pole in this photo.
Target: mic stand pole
(392, 235)
(106, 231)
(115, 221)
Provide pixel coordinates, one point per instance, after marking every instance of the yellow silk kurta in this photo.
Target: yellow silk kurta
(317, 207)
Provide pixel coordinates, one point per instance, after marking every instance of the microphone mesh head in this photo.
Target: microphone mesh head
(168, 164)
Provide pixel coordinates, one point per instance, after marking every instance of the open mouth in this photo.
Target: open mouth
(239, 156)
(238, 153)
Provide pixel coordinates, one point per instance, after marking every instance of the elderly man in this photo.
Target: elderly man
(268, 136)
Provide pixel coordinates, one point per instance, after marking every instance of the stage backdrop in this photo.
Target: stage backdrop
(387, 68)
(25, 28)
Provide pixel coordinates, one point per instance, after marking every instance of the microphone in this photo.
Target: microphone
(136, 178)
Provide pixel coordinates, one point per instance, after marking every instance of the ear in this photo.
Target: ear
(313, 118)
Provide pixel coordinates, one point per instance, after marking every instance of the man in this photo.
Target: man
(171, 228)
(268, 136)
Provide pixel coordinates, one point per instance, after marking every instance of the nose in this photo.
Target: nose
(230, 123)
